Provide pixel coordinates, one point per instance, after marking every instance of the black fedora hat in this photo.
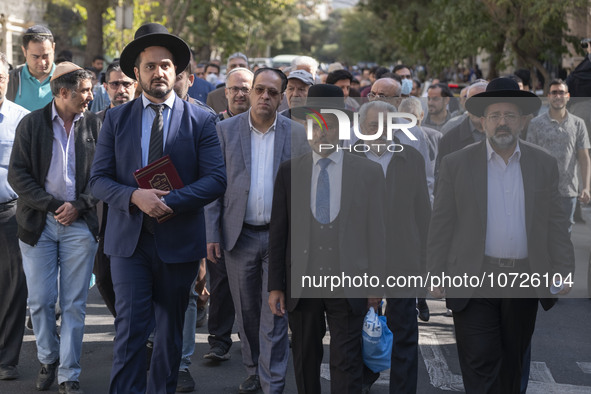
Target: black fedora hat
(503, 90)
(150, 35)
(322, 96)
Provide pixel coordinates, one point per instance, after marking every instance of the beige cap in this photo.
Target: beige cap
(64, 68)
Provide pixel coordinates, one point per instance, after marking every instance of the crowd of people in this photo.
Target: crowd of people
(270, 193)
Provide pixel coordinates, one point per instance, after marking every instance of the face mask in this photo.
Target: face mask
(406, 86)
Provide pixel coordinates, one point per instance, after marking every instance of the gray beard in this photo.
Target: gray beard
(504, 141)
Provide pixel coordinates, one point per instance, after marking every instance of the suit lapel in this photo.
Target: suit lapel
(301, 189)
(175, 123)
(480, 182)
(244, 130)
(528, 174)
(348, 175)
(136, 132)
(280, 141)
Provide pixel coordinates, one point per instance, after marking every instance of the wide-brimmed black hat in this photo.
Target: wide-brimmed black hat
(503, 90)
(151, 35)
(322, 96)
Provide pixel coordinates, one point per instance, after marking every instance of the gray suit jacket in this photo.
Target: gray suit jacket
(457, 233)
(225, 217)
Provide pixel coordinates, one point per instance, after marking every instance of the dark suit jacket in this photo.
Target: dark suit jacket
(361, 228)
(194, 149)
(457, 232)
(454, 140)
(216, 99)
(29, 164)
(408, 213)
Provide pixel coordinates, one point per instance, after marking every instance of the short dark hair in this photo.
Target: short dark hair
(70, 81)
(558, 81)
(115, 66)
(338, 75)
(36, 37)
(391, 75)
(400, 67)
(276, 71)
(445, 90)
(188, 69)
(213, 65)
(98, 57)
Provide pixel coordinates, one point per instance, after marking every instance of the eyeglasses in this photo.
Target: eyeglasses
(236, 89)
(3, 78)
(116, 84)
(560, 93)
(509, 118)
(271, 92)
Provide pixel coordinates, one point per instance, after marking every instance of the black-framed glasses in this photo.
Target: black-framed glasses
(372, 95)
(116, 84)
(236, 89)
(3, 78)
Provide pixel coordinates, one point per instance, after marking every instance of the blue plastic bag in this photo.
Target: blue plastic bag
(377, 342)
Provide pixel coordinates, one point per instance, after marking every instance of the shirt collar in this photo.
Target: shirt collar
(169, 101)
(55, 114)
(490, 152)
(272, 128)
(336, 157)
(27, 74)
(547, 114)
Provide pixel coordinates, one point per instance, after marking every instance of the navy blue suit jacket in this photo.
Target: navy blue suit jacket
(193, 146)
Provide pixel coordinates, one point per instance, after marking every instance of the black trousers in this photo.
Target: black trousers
(13, 288)
(492, 335)
(401, 314)
(307, 323)
(102, 273)
(221, 306)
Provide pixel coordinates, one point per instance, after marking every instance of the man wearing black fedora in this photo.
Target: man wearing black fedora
(327, 219)
(497, 214)
(153, 264)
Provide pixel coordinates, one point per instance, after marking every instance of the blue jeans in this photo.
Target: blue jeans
(64, 254)
(568, 206)
(189, 329)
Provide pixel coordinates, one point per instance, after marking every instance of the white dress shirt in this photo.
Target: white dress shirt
(260, 196)
(505, 225)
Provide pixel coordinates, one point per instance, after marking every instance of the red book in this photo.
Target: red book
(162, 175)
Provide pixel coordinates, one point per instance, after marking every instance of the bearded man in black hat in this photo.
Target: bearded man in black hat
(153, 264)
(497, 214)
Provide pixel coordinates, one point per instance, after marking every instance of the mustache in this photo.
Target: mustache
(503, 128)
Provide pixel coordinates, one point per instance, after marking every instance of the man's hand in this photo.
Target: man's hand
(277, 297)
(565, 290)
(437, 292)
(585, 196)
(148, 201)
(213, 252)
(66, 214)
(373, 302)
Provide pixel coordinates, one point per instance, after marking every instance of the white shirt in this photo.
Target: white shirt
(260, 196)
(335, 180)
(505, 224)
(10, 116)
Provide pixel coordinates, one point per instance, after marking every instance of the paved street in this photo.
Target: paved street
(561, 352)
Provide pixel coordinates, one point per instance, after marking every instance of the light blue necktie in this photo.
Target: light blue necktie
(323, 193)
